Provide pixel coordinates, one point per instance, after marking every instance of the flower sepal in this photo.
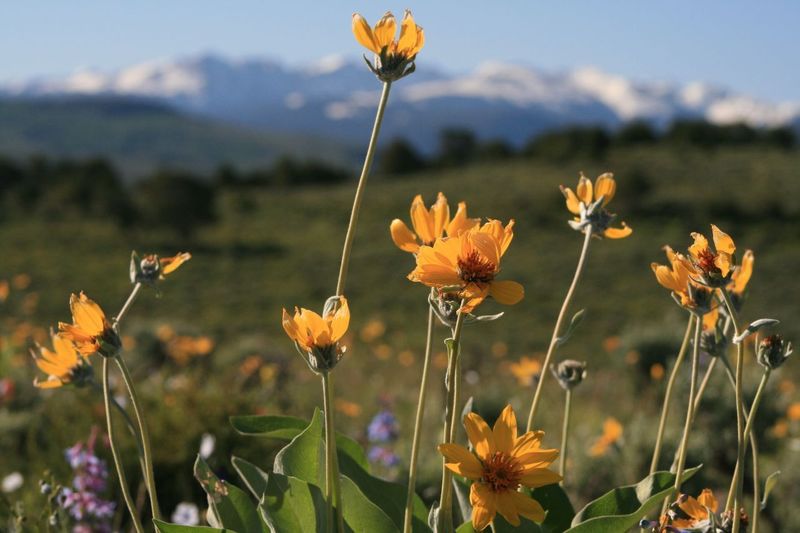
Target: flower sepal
(390, 68)
(447, 308)
(773, 351)
(569, 373)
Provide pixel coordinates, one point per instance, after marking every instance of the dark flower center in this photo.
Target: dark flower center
(502, 473)
(476, 269)
(705, 261)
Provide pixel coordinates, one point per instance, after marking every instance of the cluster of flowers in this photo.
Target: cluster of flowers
(382, 432)
(84, 501)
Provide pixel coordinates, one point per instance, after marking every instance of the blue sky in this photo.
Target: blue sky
(747, 45)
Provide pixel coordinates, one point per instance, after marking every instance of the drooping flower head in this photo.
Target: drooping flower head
(430, 224)
(394, 58)
(90, 331)
(500, 462)
(468, 265)
(696, 512)
(63, 364)
(588, 204)
(152, 268)
(317, 337)
(682, 278)
(714, 264)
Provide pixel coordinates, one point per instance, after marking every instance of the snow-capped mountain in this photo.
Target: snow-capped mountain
(337, 97)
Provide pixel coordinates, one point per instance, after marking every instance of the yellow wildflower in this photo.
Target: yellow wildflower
(612, 433)
(381, 37)
(319, 336)
(793, 412)
(468, 264)
(698, 512)
(680, 277)
(714, 264)
(499, 463)
(63, 365)
(526, 370)
(588, 210)
(430, 224)
(90, 331)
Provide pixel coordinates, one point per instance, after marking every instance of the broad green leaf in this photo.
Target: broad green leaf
(304, 456)
(388, 496)
(769, 484)
(290, 504)
(360, 514)
(499, 525)
(558, 506)
(287, 428)
(623, 507)
(231, 506)
(166, 527)
(254, 478)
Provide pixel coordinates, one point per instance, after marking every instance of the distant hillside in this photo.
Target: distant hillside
(140, 135)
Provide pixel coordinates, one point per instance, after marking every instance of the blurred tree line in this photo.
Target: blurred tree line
(182, 201)
(461, 147)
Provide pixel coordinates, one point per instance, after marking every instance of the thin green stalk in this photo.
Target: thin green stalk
(557, 329)
(127, 305)
(333, 493)
(740, 422)
(362, 182)
(562, 465)
(445, 524)
(423, 391)
(143, 433)
(739, 471)
(123, 482)
(668, 395)
(687, 428)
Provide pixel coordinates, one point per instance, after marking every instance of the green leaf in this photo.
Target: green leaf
(360, 514)
(769, 484)
(166, 527)
(287, 428)
(304, 456)
(254, 478)
(230, 505)
(623, 507)
(290, 504)
(499, 525)
(558, 506)
(388, 496)
(577, 318)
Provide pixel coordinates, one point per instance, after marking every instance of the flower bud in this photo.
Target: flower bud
(569, 373)
(773, 351)
(713, 343)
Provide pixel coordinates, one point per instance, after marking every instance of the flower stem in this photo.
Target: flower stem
(668, 395)
(123, 483)
(144, 434)
(739, 471)
(127, 305)
(423, 390)
(362, 182)
(333, 493)
(562, 465)
(687, 427)
(561, 315)
(445, 524)
(734, 495)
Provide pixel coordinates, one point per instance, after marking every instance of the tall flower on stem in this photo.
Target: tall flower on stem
(317, 339)
(592, 218)
(500, 463)
(429, 225)
(394, 58)
(90, 331)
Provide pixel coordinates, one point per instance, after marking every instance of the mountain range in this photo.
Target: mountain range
(335, 98)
